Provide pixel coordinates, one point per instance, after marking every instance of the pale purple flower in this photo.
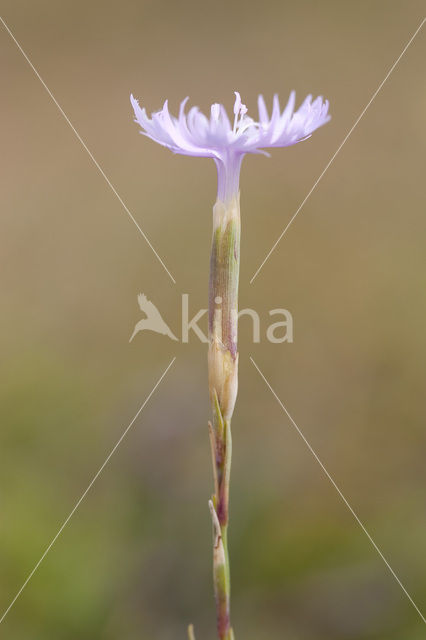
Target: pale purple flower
(194, 134)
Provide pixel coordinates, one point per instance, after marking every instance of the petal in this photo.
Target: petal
(263, 112)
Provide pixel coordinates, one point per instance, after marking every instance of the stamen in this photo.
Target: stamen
(237, 104)
(240, 109)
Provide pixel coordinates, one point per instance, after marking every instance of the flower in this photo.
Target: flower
(194, 134)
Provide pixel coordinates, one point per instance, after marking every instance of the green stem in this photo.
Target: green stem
(223, 382)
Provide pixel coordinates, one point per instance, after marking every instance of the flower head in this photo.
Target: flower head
(194, 134)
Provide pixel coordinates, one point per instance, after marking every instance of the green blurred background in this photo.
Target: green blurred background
(134, 562)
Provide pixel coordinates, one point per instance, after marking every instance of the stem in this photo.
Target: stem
(223, 384)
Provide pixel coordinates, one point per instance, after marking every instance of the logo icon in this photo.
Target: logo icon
(153, 320)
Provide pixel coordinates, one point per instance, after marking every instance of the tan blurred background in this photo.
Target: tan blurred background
(134, 562)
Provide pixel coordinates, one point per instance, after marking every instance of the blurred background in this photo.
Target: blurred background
(134, 562)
